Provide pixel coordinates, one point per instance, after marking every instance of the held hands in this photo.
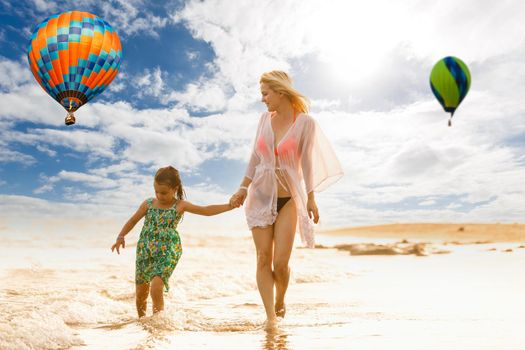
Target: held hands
(119, 243)
(237, 199)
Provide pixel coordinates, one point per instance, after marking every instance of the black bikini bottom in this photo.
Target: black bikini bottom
(281, 201)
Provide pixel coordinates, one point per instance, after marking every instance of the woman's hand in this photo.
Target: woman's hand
(238, 198)
(312, 210)
(119, 243)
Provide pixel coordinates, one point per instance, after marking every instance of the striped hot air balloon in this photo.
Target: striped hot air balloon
(74, 56)
(450, 82)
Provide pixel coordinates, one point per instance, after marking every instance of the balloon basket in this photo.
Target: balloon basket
(70, 119)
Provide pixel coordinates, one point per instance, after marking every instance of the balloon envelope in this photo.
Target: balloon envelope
(450, 82)
(74, 56)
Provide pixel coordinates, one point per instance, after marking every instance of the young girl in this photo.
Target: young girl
(159, 247)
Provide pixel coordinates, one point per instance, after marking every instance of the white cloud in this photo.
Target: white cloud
(150, 83)
(46, 150)
(120, 169)
(13, 74)
(414, 159)
(94, 181)
(192, 55)
(371, 98)
(453, 206)
(127, 17)
(427, 202)
(29, 102)
(44, 188)
(117, 86)
(45, 6)
(207, 96)
(78, 140)
(7, 155)
(247, 38)
(377, 53)
(131, 17)
(324, 104)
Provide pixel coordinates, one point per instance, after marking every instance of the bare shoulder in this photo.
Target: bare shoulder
(143, 205)
(141, 211)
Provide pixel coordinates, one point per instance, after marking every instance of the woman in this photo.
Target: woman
(291, 158)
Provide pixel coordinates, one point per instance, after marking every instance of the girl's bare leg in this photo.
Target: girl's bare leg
(263, 239)
(141, 298)
(284, 233)
(157, 296)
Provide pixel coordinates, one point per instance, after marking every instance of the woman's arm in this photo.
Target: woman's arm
(254, 158)
(207, 210)
(311, 208)
(308, 169)
(238, 197)
(128, 226)
(306, 156)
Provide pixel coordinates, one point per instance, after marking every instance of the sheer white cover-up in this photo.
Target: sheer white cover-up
(306, 162)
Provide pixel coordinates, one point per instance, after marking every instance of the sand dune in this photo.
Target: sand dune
(447, 233)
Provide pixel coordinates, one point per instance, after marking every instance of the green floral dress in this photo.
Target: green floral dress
(159, 247)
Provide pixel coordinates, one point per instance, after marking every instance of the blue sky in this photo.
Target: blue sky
(187, 94)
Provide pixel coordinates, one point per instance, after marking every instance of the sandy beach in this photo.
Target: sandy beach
(366, 288)
(463, 233)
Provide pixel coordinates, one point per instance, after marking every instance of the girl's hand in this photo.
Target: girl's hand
(238, 198)
(312, 210)
(119, 243)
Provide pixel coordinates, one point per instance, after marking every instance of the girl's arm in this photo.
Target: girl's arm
(128, 226)
(207, 210)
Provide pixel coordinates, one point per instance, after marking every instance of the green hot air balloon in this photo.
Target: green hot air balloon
(450, 82)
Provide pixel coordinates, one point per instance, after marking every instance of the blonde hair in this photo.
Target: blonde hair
(281, 82)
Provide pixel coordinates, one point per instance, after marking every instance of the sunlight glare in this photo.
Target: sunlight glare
(353, 38)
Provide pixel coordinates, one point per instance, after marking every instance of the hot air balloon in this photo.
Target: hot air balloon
(74, 56)
(450, 82)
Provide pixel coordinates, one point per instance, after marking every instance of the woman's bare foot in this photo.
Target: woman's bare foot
(280, 310)
(271, 324)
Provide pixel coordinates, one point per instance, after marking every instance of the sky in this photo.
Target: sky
(187, 94)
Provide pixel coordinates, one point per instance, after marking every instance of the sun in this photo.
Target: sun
(354, 38)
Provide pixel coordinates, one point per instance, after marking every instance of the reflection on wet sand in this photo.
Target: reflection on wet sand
(275, 339)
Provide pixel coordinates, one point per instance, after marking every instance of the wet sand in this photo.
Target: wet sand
(60, 294)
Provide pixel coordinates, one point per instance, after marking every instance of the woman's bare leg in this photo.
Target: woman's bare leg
(263, 239)
(284, 233)
(156, 294)
(141, 298)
